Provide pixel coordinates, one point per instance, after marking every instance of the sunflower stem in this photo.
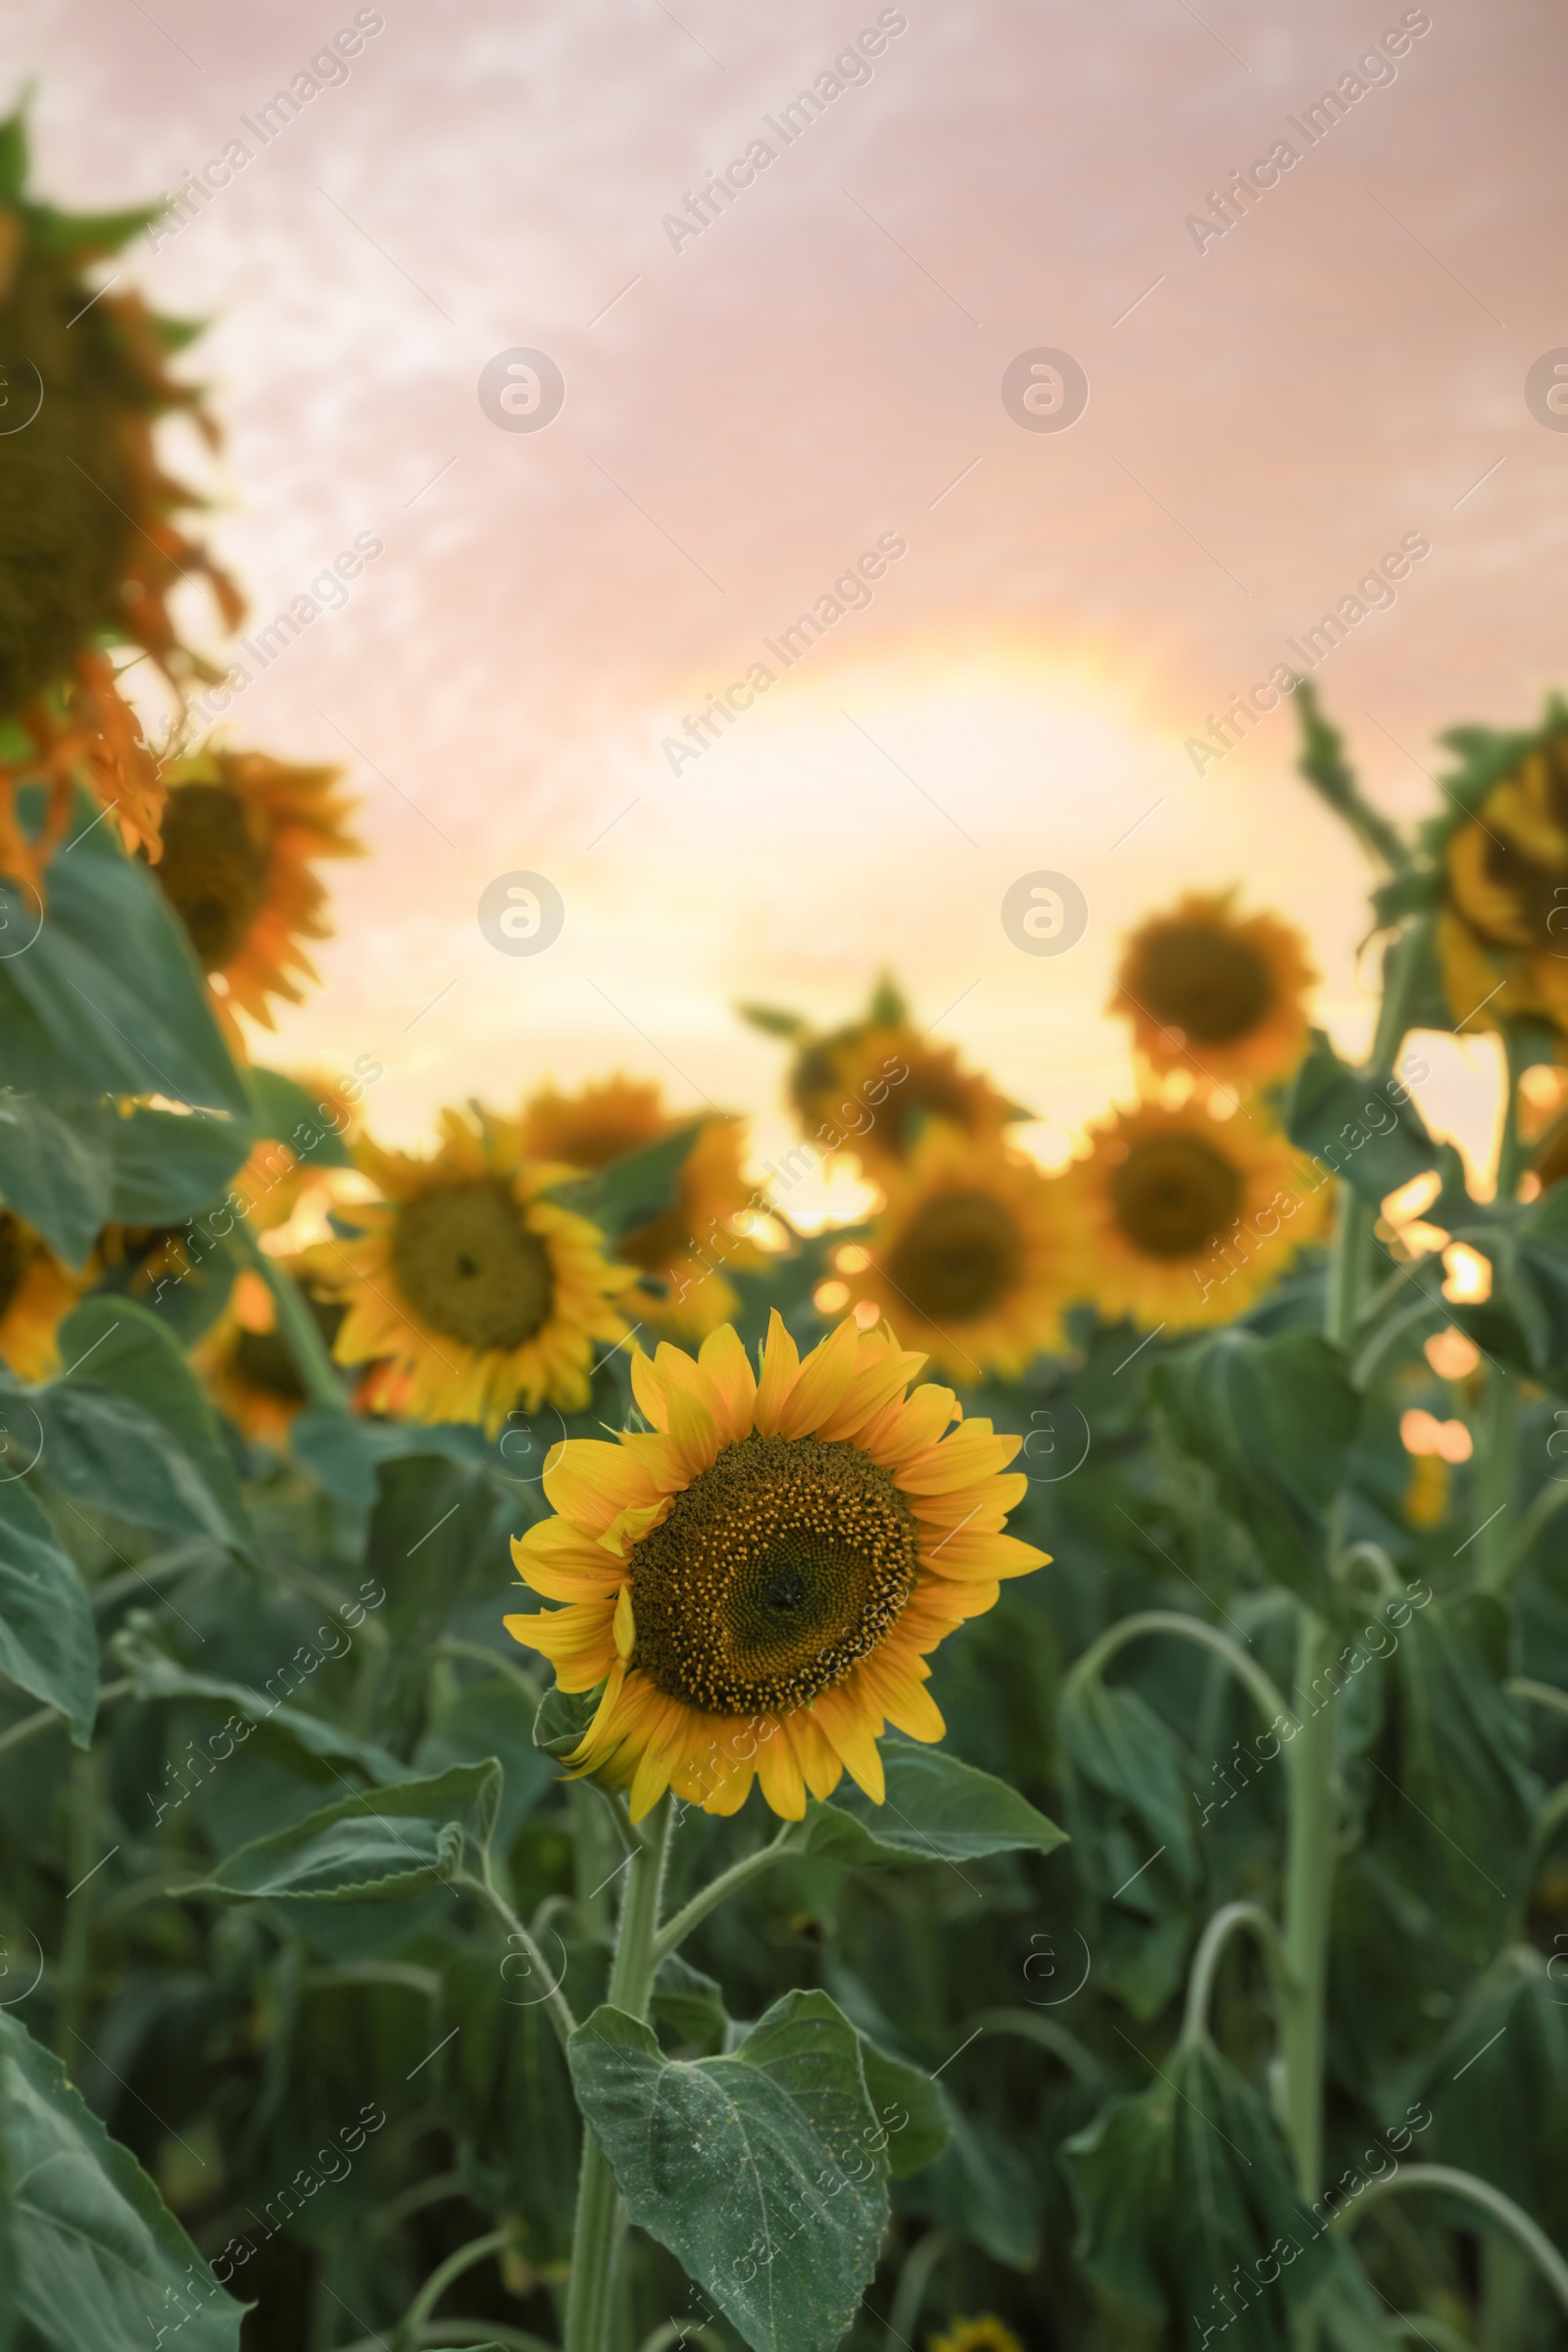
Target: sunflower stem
(317, 1374)
(729, 1882)
(565, 2024)
(1309, 1897)
(631, 1987)
(1448, 2177)
(1225, 1924)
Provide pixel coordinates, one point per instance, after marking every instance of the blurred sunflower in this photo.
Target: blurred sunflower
(1502, 930)
(476, 1291)
(241, 832)
(249, 1365)
(35, 1292)
(1181, 1219)
(89, 550)
(969, 1259)
(1213, 992)
(756, 1583)
(987, 2333)
(603, 1121)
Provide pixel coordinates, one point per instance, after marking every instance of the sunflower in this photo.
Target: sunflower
(589, 1129)
(987, 2333)
(35, 1290)
(1181, 1219)
(240, 833)
(755, 1585)
(969, 1258)
(249, 1365)
(1502, 932)
(476, 1291)
(874, 1088)
(89, 549)
(1216, 993)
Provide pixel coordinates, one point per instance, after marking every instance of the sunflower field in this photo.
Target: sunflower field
(985, 1780)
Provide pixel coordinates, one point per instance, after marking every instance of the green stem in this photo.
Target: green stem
(1546, 1506)
(1348, 1258)
(631, 1985)
(1205, 1961)
(1309, 1897)
(1045, 2031)
(1323, 763)
(1190, 1628)
(914, 2279)
(1479, 2193)
(1496, 1460)
(481, 1656)
(740, 1874)
(435, 2286)
(565, 2024)
(1544, 1695)
(31, 1725)
(319, 1376)
(75, 1943)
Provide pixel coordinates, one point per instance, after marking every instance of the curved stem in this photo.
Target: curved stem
(565, 2024)
(448, 1648)
(1544, 1695)
(435, 2286)
(1205, 1961)
(717, 1890)
(1190, 1628)
(1479, 2193)
(1386, 1338)
(915, 2278)
(1049, 2035)
(318, 1375)
(1546, 1506)
(1550, 1814)
(1496, 1461)
(1373, 1557)
(31, 1725)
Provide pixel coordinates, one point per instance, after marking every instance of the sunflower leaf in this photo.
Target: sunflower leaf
(772, 1020)
(758, 2171)
(47, 1642)
(167, 1164)
(1365, 1129)
(55, 1169)
(630, 1192)
(370, 1848)
(284, 1111)
(937, 1809)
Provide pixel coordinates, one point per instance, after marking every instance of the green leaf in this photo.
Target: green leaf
(937, 1809)
(113, 1344)
(94, 2256)
(888, 1006)
(561, 1720)
(470, 1722)
(157, 1677)
(984, 2192)
(1116, 1746)
(47, 1641)
(630, 1192)
(284, 1111)
(1177, 2186)
(1506, 2118)
(1275, 1421)
(507, 2094)
(1364, 1129)
(691, 2004)
(908, 2107)
(55, 1169)
(741, 2165)
(772, 1020)
(374, 1847)
(167, 1164)
(108, 999)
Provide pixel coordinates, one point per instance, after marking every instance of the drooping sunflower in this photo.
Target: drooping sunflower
(1502, 931)
(89, 547)
(1181, 1219)
(985, 2334)
(35, 1292)
(688, 1249)
(241, 834)
(1214, 992)
(249, 1365)
(478, 1292)
(969, 1259)
(755, 1585)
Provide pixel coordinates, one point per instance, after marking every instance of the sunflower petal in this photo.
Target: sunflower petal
(824, 1376)
(781, 1365)
(731, 1382)
(591, 1482)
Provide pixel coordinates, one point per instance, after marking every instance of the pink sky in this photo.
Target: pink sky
(747, 412)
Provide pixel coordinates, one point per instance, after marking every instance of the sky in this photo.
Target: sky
(725, 402)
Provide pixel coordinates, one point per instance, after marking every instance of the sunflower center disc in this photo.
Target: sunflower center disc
(14, 1260)
(213, 871)
(958, 1257)
(468, 1266)
(265, 1360)
(1204, 982)
(776, 1570)
(1173, 1193)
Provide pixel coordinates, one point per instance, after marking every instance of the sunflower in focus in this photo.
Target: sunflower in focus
(248, 1363)
(969, 1259)
(986, 2334)
(241, 834)
(35, 1292)
(755, 1585)
(603, 1121)
(475, 1291)
(1216, 993)
(1502, 931)
(1181, 1219)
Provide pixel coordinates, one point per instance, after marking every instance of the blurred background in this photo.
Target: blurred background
(757, 389)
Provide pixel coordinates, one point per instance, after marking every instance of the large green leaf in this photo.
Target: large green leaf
(1497, 2085)
(507, 2092)
(93, 2257)
(1364, 1129)
(167, 1165)
(56, 1169)
(374, 1847)
(631, 1192)
(983, 2191)
(758, 2171)
(910, 2108)
(284, 1111)
(1178, 2185)
(1274, 1420)
(283, 1729)
(47, 1641)
(936, 1809)
(108, 999)
(1128, 1794)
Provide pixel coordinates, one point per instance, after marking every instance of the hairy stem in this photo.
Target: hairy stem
(319, 1376)
(1261, 1685)
(1479, 2193)
(1225, 1923)
(31, 1724)
(1309, 1897)
(565, 2024)
(717, 1890)
(435, 2286)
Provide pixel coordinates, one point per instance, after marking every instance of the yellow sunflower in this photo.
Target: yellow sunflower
(476, 1291)
(969, 1259)
(35, 1292)
(248, 1364)
(1504, 919)
(872, 1089)
(987, 2333)
(688, 1249)
(1181, 1219)
(756, 1583)
(241, 832)
(1216, 993)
